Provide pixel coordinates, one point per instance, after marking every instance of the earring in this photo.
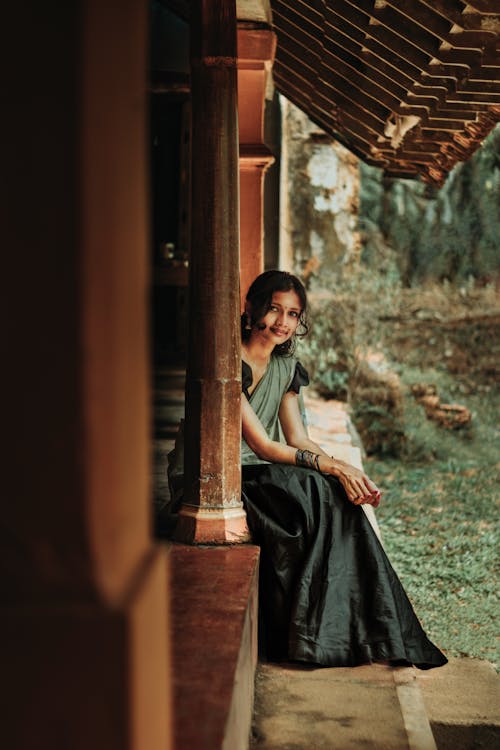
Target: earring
(248, 327)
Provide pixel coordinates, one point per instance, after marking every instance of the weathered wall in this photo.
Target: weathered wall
(319, 199)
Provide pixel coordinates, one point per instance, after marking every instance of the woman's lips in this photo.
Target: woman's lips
(279, 332)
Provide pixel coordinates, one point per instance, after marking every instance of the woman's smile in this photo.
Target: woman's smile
(279, 331)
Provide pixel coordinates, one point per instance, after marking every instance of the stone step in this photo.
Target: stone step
(167, 417)
(169, 378)
(169, 396)
(171, 371)
(169, 400)
(462, 700)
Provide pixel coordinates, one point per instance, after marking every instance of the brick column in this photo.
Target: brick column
(212, 510)
(256, 49)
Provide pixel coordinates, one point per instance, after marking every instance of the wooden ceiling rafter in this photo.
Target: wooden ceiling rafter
(412, 86)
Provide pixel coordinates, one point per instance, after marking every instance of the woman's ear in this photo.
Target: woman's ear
(248, 316)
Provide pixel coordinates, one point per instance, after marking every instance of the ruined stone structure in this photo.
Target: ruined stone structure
(319, 198)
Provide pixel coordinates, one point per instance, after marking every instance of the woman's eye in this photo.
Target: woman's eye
(294, 314)
(273, 308)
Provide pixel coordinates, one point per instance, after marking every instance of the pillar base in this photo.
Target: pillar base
(205, 525)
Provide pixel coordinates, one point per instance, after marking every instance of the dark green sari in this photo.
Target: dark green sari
(328, 594)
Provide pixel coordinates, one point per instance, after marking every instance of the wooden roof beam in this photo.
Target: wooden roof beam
(467, 17)
(449, 23)
(369, 61)
(310, 38)
(481, 6)
(385, 36)
(459, 48)
(304, 11)
(376, 72)
(420, 13)
(395, 48)
(407, 28)
(352, 65)
(381, 89)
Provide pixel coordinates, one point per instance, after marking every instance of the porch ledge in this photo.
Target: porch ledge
(214, 593)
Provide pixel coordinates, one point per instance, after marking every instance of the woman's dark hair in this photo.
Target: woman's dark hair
(259, 298)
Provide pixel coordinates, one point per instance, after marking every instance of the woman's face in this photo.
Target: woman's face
(282, 318)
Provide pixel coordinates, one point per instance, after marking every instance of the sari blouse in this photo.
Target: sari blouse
(283, 374)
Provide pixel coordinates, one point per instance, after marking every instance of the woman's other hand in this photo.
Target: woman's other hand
(359, 487)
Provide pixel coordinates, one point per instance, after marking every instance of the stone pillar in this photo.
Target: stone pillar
(84, 625)
(256, 50)
(212, 511)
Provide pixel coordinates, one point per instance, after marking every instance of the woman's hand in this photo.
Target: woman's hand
(359, 487)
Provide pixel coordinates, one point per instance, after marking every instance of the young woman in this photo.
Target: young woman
(328, 594)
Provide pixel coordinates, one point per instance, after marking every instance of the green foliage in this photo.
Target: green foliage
(381, 429)
(451, 233)
(343, 328)
(328, 370)
(440, 527)
(342, 321)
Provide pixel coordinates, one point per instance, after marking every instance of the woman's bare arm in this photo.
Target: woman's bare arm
(359, 488)
(258, 440)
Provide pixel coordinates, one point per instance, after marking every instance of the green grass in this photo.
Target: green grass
(439, 521)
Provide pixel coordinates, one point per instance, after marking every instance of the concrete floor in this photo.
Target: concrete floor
(456, 707)
(299, 708)
(462, 700)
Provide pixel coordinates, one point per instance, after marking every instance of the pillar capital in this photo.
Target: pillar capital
(256, 50)
(255, 156)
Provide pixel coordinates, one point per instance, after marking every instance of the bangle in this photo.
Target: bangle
(307, 458)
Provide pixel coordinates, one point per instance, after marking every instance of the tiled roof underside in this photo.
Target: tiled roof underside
(412, 86)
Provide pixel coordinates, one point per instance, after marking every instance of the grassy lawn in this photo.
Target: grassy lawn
(439, 521)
